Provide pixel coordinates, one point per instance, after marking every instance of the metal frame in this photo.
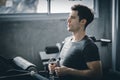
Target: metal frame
(114, 32)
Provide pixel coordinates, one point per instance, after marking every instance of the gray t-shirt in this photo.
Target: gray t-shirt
(77, 54)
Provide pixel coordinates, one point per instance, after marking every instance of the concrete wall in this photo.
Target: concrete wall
(28, 38)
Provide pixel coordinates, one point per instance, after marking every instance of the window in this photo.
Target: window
(19, 6)
(63, 6)
(40, 6)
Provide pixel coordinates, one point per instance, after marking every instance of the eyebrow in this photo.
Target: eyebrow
(73, 17)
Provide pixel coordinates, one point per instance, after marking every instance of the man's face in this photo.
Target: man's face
(73, 22)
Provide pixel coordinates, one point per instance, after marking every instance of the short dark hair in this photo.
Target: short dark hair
(84, 13)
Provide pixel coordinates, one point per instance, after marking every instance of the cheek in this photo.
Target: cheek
(76, 24)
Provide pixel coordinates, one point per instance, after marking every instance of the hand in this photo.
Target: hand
(51, 67)
(60, 71)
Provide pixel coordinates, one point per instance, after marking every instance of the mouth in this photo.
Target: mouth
(68, 25)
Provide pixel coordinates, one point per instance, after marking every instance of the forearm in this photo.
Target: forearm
(85, 73)
(94, 70)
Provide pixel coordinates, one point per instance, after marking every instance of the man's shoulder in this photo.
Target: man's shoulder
(89, 42)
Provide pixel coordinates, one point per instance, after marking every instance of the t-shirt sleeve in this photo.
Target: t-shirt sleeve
(91, 53)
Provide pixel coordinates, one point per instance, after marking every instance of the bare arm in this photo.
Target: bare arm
(95, 70)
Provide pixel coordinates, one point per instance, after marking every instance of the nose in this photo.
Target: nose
(68, 20)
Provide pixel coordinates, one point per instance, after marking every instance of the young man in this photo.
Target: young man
(79, 56)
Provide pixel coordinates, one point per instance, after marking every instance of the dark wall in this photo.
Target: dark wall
(118, 51)
(118, 38)
(27, 38)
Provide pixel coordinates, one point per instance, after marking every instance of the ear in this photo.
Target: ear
(83, 21)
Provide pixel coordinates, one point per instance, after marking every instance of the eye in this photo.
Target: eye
(72, 17)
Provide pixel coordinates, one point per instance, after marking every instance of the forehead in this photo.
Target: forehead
(74, 13)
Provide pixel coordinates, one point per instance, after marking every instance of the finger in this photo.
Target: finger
(57, 70)
(57, 73)
(51, 67)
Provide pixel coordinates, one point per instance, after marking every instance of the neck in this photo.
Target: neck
(77, 36)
